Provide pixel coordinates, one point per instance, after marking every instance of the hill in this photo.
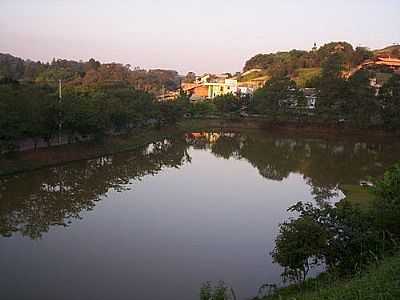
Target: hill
(87, 73)
(301, 65)
(393, 51)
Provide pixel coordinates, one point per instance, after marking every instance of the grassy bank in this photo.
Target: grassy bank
(379, 282)
(31, 160)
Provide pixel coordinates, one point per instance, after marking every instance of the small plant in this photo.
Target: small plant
(219, 292)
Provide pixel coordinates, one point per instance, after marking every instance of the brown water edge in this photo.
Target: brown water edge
(325, 129)
(24, 161)
(58, 155)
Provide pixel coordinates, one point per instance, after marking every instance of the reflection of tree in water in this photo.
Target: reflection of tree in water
(33, 202)
(325, 164)
(227, 146)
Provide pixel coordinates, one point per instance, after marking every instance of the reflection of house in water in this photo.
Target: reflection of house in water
(209, 137)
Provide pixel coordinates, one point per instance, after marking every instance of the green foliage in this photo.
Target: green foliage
(299, 246)
(303, 77)
(33, 111)
(90, 73)
(227, 103)
(389, 98)
(203, 108)
(377, 282)
(349, 101)
(360, 55)
(284, 62)
(387, 202)
(26, 111)
(333, 89)
(278, 94)
(287, 63)
(345, 238)
(362, 106)
(218, 292)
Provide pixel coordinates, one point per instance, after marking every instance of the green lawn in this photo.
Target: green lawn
(380, 282)
(305, 74)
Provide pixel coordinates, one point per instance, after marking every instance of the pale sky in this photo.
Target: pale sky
(200, 36)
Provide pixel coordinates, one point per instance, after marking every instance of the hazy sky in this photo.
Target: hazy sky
(201, 35)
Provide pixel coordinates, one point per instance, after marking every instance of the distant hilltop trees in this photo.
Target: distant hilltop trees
(87, 73)
(289, 63)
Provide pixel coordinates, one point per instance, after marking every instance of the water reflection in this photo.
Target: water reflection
(33, 202)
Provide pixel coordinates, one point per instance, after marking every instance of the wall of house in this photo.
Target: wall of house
(229, 86)
(201, 91)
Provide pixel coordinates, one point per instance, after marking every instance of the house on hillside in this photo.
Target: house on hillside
(209, 87)
(244, 91)
(392, 63)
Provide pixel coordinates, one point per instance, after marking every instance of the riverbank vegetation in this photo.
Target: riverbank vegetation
(359, 247)
(33, 111)
(103, 99)
(377, 281)
(351, 241)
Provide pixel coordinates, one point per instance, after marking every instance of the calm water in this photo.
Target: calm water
(157, 223)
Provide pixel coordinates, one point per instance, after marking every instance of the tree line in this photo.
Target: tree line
(34, 111)
(288, 62)
(87, 73)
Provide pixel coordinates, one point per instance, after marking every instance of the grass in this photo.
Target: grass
(378, 282)
(252, 76)
(357, 195)
(305, 74)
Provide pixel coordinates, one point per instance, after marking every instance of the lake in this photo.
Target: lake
(158, 222)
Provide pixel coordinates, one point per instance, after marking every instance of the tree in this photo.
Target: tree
(333, 89)
(389, 98)
(277, 95)
(387, 202)
(361, 54)
(227, 103)
(362, 106)
(190, 77)
(299, 246)
(218, 292)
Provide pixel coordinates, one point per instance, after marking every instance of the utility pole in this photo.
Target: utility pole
(60, 90)
(59, 112)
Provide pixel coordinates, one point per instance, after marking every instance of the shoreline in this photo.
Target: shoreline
(26, 161)
(307, 127)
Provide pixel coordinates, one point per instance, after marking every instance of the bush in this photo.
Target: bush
(299, 247)
(387, 202)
